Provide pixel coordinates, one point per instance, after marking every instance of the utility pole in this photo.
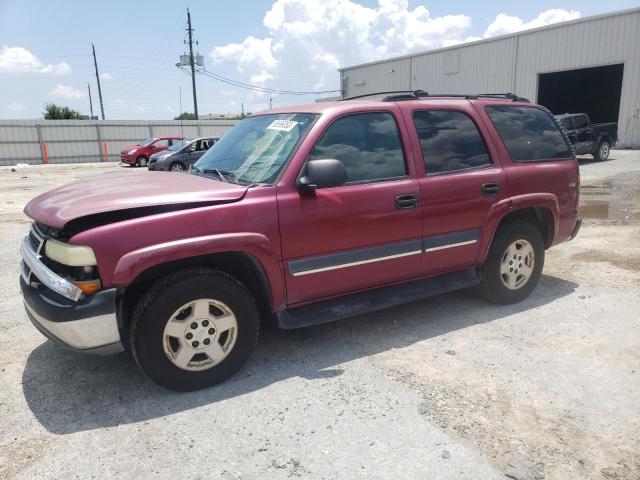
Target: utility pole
(180, 94)
(192, 63)
(95, 64)
(90, 101)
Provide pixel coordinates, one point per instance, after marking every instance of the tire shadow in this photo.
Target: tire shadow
(68, 392)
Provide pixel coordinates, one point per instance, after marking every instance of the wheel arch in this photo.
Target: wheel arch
(243, 266)
(543, 215)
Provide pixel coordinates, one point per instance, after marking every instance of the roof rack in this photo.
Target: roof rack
(376, 93)
(468, 96)
(400, 95)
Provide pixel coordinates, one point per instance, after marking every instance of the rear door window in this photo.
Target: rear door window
(450, 141)
(368, 144)
(530, 134)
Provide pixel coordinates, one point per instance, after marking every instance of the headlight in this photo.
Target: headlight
(164, 157)
(71, 255)
(131, 152)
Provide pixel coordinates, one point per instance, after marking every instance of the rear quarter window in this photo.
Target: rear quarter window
(530, 134)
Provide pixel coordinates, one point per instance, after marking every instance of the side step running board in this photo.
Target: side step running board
(372, 300)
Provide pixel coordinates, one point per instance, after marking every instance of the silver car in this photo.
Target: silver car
(183, 156)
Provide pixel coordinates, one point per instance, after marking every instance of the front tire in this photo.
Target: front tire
(514, 264)
(194, 329)
(602, 153)
(177, 167)
(141, 161)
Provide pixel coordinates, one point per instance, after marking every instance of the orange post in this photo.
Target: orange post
(45, 154)
(105, 151)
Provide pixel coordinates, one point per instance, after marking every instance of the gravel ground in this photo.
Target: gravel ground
(445, 388)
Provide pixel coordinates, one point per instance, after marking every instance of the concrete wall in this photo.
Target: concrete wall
(512, 63)
(77, 141)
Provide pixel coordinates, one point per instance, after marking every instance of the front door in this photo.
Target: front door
(459, 185)
(362, 234)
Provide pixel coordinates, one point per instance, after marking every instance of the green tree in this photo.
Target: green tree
(186, 116)
(56, 112)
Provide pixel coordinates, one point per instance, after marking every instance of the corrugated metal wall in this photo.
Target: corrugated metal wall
(512, 64)
(76, 141)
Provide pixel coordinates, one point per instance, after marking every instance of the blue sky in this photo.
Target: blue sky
(285, 44)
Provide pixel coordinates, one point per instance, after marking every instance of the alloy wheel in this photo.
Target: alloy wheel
(200, 334)
(517, 264)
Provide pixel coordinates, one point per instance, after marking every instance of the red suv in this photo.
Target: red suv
(138, 155)
(305, 215)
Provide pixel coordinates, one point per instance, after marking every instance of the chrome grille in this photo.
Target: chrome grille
(37, 238)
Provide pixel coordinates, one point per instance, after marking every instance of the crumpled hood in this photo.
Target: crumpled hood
(115, 191)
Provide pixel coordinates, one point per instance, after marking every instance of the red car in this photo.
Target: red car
(304, 215)
(138, 155)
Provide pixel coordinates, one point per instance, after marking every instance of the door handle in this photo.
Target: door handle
(406, 201)
(490, 189)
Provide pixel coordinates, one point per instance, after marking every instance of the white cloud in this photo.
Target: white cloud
(66, 92)
(309, 39)
(15, 106)
(106, 76)
(504, 24)
(261, 78)
(21, 60)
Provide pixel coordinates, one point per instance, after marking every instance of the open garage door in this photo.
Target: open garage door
(595, 91)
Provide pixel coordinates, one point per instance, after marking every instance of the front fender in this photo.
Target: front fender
(256, 245)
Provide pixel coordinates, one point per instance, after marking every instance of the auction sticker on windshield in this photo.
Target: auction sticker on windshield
(284, 125)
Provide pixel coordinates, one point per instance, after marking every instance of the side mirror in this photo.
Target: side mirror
(323, 174)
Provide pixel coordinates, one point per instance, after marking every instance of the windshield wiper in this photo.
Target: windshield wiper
(216, 171)
(222, 174)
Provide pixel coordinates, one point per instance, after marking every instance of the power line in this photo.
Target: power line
(258, 88)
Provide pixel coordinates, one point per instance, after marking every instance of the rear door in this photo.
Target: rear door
(362, 234)
(460, 179)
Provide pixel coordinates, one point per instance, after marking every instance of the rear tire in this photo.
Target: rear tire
(514, 264)
(194, 329)
(141, 161)
(602, 153)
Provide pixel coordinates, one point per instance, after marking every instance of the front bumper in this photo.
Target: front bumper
(129, 160)
(157, 165)
(87, 326)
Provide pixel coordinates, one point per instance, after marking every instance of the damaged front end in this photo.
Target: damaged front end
(62, 294)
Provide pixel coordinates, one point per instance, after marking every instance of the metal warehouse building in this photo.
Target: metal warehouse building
(588, 65)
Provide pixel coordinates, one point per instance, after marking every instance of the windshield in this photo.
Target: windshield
(177, 145)
(146, 142)
(256, 149)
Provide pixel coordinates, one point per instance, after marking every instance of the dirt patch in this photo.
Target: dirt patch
(621, 261)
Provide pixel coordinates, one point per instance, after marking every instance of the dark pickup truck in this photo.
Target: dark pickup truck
(587, 138)
(303, 215)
